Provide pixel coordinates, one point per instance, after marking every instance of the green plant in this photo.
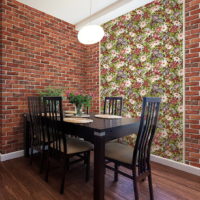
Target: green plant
(80, 99)
(52, 91)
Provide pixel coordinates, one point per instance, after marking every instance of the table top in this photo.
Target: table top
(100, 124)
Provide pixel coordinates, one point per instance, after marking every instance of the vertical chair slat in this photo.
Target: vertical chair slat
(113, 105)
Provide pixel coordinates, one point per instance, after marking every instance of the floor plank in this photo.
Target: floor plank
(20, 181)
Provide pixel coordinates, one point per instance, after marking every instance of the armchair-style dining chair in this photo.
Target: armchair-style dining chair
(137, 158)
(60, 147)
(37, 138)
(113, 106)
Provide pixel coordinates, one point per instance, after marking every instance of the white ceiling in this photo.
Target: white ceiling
(75, 11)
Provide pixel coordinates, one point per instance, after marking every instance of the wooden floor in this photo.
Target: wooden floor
(20, 181)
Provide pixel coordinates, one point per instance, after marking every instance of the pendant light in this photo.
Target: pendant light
(90, 34)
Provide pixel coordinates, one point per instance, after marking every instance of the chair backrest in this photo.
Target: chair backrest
(147, 128)
(53, 115)
(86, 110)
(35, 113)
(113, 105)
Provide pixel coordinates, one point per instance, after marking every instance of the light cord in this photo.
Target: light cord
(90, 7)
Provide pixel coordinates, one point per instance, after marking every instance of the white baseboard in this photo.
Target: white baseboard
(177, 165)
(12, 155)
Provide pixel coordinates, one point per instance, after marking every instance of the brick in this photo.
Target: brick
(195, 107)
(196, 146)
(189, 149)
(194, 2)
(194, 45)
(195, 155)
(195, 50)
(192, 112)
(195, 89)
(191, 74)
(190, 158)
(192, 17)
(195, 78)
(191, 93)
(193, 7)
(191, 83)
(192, 130)
(194, 12)
(195, 98)
(195, 136)
(195, 164)
(192, 55)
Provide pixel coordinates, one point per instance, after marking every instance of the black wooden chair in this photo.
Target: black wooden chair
(37, 138)
(113, 106)
(60, 147)
(137, 158)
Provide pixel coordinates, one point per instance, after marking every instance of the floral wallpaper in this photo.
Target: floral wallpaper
(141, 55)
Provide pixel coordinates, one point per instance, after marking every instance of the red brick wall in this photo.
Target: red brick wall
(192, 85)
(92, 74)
(0, 77)
(38, 50)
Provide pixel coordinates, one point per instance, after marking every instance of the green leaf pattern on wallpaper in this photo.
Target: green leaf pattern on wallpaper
(141, 55)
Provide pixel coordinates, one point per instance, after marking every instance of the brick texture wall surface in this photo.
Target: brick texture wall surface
(192, 82)
(0, 75)
(39, 50)
(92, 74)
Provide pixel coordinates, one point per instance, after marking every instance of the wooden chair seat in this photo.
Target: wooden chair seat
(119, 152)
(75, 146)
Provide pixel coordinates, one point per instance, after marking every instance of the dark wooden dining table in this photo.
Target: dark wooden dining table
(98, 132)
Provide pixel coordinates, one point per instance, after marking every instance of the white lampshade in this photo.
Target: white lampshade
(90, 34)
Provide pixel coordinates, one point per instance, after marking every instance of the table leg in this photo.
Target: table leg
(99, 167)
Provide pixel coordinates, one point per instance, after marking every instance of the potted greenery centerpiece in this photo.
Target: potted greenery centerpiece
(79, 100)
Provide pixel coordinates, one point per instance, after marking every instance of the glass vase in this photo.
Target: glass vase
(78, 109)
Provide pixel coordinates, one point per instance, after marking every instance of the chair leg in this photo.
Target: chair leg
(87, 172)
(66, 166)
(135, 186)
(31, 156)
(42, 161)
(85, 158)
(150, 187)
(135, 190)
(47, 170)
(116, 172)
